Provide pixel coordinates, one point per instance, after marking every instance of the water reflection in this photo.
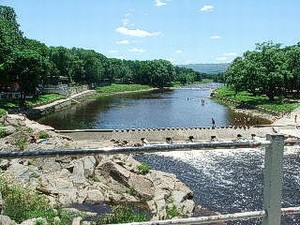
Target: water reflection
(160, 108)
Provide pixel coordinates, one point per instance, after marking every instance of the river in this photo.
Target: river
(155, 109)
(224, 181)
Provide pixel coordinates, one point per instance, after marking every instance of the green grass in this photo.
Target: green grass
(23, 203)
(172, 211)
(122, 214)
(114, 88)
(143, 168)
(2, 112)
(279, 105)
(204, 81)
(43, 135)
(43, 99)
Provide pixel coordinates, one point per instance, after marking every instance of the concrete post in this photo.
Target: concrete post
(273, 176)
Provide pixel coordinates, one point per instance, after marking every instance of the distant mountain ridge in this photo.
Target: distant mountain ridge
(208, 68)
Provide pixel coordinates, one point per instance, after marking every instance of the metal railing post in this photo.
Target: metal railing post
(273, 178)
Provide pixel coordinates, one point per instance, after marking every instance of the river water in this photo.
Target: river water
(155, 109)
(224, 181)
(229, 181)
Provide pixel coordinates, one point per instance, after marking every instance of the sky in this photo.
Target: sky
(181, 31)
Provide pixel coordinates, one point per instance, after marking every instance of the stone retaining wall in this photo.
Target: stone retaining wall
(66, 91)
(58, 105)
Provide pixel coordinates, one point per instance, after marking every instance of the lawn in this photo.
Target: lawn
(115, 88)
(280, 105)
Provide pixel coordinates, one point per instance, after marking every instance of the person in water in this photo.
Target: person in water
(213, 122)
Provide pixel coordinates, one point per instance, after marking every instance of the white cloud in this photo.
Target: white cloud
(160, 3)
(207, 8)
(122, 42)
(215, 37)
(179, 51)
(136, 32)
(137, 50)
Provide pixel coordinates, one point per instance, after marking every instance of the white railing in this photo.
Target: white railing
(273, 175)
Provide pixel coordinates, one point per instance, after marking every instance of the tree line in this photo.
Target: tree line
(30, 63)
(270, 70)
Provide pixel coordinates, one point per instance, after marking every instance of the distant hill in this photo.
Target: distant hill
(208, 68)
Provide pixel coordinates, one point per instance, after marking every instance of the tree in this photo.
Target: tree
(27, 67)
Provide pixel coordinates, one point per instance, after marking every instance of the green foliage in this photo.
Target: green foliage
(28, 130)
(143, 168)
(3, 112)
(122, 214)
(43, 99)
(277, 105)
(43, 135)
(270, 70)
(122, 88)
(2, 132)
(172, 211)
(21, 143)
(23, 203)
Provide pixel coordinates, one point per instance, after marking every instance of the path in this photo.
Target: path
(287, 125)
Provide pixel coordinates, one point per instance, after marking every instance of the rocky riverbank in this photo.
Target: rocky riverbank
(91, 179)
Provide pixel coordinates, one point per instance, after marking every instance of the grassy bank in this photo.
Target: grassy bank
(22, 203)
(279, 105)
(11, 104)
(117, 88)
(204, 81)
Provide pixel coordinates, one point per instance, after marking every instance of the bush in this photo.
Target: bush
(2, 112)
(143, 168)
(43, 135)
(21, 143)
(173, 211)
(122, 214)
(2, 132)
(23, 203)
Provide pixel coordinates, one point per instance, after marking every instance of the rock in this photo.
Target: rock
(85, 223)
(76, 221)
(142, 186)
(4, 164)
(112, 170)
(89, 163)
(9, 130)
(94, 197)
(78, 172)
(34, 221)
(5, 220)
(187, 207)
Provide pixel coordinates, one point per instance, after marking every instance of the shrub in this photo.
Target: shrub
(143, 168)
(43, 135)
(23, 203)
(122, 214)
(2, 112)
(172, 211)
(21, 143)
(2, 132)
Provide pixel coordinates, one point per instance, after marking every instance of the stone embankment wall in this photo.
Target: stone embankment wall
(60, 104)
(65, 90)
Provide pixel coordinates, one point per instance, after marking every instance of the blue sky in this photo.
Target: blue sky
(182, 31)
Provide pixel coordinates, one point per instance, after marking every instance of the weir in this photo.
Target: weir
(273, 175)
